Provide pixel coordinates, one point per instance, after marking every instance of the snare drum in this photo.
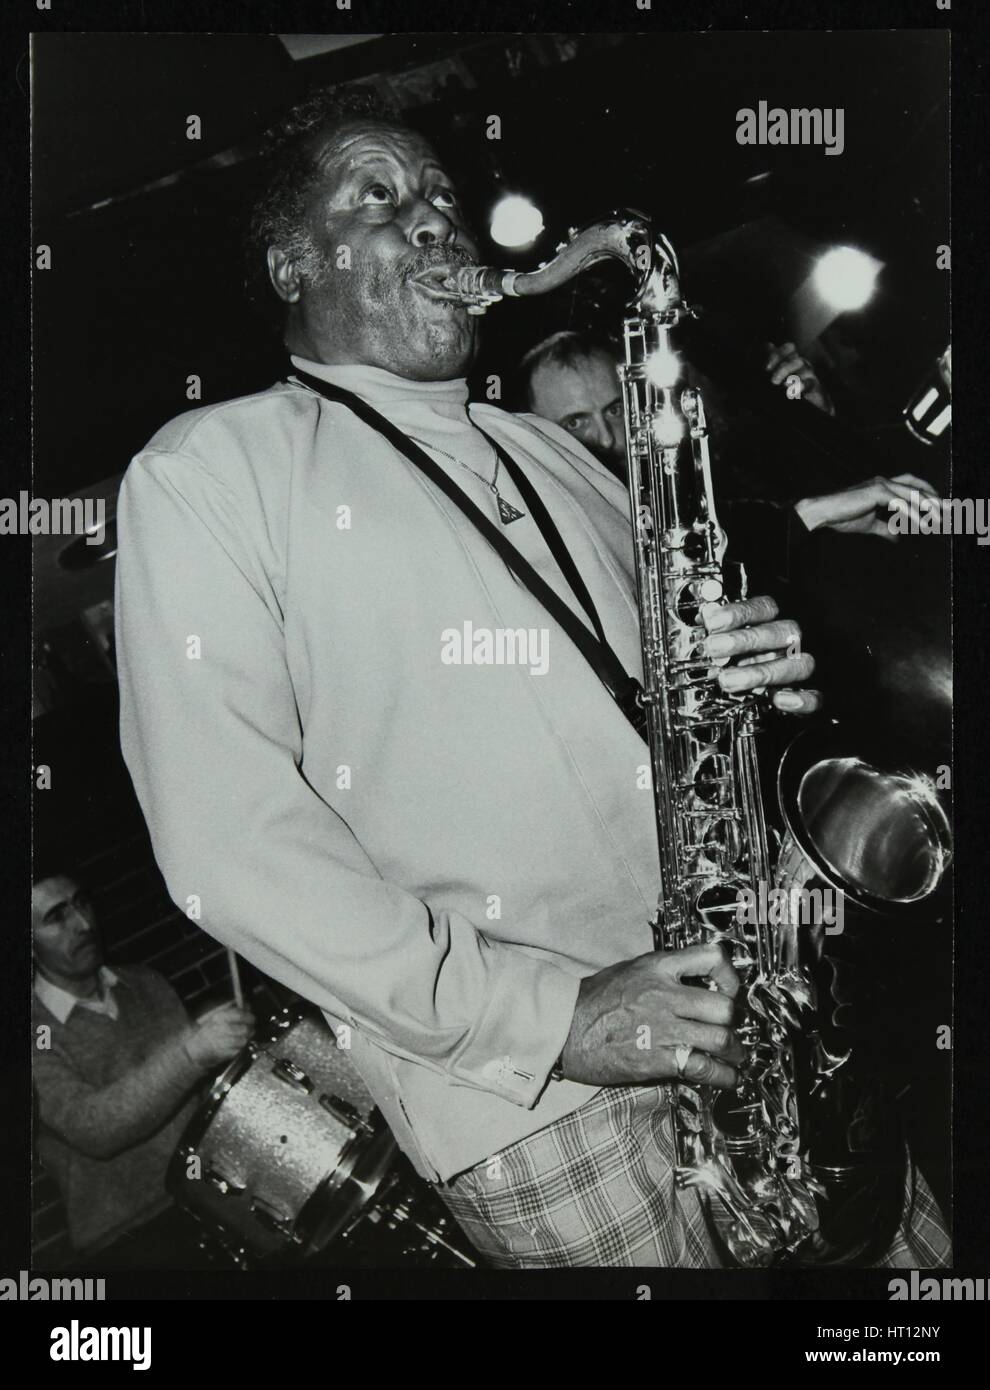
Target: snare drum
(287, 1151)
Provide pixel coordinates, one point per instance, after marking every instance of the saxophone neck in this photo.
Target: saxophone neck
(625, 236)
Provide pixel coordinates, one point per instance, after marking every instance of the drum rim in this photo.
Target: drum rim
(380, 1141)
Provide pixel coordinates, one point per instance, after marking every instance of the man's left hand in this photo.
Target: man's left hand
(865, 508)
(761, 650)
(785, 362)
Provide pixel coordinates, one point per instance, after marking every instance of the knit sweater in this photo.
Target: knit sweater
(113, 1100)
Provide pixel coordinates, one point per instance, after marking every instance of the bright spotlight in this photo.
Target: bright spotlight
(846, 278)
(516, 221)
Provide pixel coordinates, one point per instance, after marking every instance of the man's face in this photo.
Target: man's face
(382, 210)
(66, 946)
(584, 398)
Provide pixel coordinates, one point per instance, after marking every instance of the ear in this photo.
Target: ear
(284, 275)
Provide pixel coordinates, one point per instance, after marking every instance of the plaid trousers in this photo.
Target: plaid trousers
(596, 1188)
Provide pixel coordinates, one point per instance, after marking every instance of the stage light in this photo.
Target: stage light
(515, 221)
(846, 278)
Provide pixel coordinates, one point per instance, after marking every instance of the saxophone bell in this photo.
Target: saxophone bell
(873, 830)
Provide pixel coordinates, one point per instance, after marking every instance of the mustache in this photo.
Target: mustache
(432, 256)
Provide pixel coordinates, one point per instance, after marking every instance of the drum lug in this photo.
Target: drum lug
(227, 1187)
(292, 1075)
(346, 1114)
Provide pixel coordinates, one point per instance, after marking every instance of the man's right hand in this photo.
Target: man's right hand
(614, 1005)
(219, 1036)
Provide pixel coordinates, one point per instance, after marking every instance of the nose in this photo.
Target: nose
(600, 432)
(616, 436)
(430, 226)
(79, 922)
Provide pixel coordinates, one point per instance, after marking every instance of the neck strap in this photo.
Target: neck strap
(594, 647)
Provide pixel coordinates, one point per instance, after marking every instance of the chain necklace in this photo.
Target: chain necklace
(506, 511)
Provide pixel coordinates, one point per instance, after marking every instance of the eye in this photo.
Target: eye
(574, 423)
(444, 198)
(614, 411)
(377, 194)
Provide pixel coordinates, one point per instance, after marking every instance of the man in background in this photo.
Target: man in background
(117, 1062)
(572, 379)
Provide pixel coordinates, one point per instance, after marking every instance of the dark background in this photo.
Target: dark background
(147, 281)
(146, 288)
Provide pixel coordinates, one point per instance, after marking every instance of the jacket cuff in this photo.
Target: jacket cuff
(521, 1032)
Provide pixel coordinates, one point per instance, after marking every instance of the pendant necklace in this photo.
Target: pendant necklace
(506, 511)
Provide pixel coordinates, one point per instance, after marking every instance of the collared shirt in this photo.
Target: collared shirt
(61, 1002)
(342, 758)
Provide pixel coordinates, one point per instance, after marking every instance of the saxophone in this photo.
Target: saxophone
(775, 1162)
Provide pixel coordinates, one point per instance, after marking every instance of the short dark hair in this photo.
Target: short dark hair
(52, 863)
(562, 349)
(289, 170)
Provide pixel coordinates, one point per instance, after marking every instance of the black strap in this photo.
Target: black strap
(549, 532)
(623, 688)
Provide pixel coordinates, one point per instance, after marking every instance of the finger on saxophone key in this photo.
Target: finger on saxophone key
(709, 961)
(726, 617)
(702, 1070)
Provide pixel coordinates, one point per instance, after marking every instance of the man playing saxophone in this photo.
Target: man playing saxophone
(458, 861)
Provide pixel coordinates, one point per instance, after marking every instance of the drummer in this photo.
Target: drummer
(117, 1062)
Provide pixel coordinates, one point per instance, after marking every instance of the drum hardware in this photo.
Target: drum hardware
(225, 1186)
(402, 1215)
(292, 1075)
(345, 1113)
(407, 1211)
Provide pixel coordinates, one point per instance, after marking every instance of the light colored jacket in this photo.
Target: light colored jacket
(433, 853)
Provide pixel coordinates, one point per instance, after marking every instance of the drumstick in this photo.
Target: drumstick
(235, 978)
